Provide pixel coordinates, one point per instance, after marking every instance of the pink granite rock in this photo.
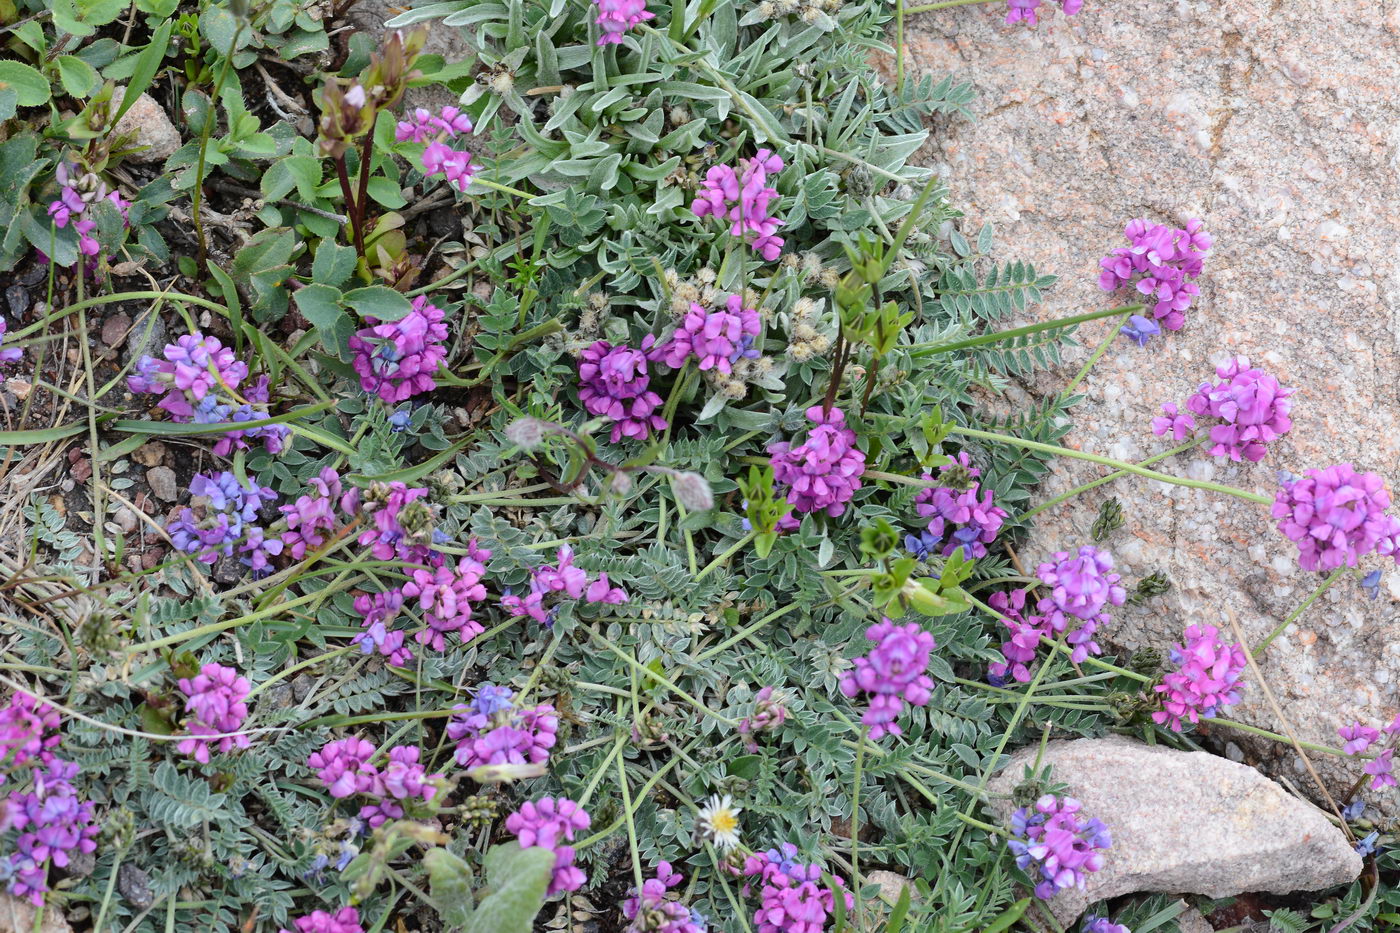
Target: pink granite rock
(1279, 125)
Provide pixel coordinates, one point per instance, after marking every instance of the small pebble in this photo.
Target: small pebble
(114, 329)
(126, 519)
(149, 454)
(162, 483)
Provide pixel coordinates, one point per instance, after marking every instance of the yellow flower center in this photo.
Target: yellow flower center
(724, 821)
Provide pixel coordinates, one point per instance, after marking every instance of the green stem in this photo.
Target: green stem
(744, 633)
(1116, 474)
(1098, 353)
(631, 823)
(209, 119)
(724, 558)
(659, 678)
(1265, 733)
(946, 4)
(922, 350)
(1323, 587)
(1117, 464)
(855, 825)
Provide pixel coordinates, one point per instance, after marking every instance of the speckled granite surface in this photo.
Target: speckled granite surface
(1278, 123)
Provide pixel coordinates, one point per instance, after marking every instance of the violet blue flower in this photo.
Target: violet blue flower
(714, 338)
(1357, 737)
(1336, 516)
(961, 514)
(1380, 769)
(1056, 845)
(1139, 329)
(613, 383)
(493, 731)
(398, 359)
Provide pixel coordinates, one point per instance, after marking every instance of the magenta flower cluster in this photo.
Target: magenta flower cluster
(1080, 587)
(1250, 404)
(961, 514)
(438, 157)
(822, 473)
(548, 823)
(892, 674)
(200, 381)
(1056, 845)
(344, 766)
(745, 200)
(50, 822)
(1336, 516)
(794, 897)
(1027, 11)
(493, 730)
(768, 715)
(552, 584)
(1096, 924)
(1163, 261)
(715, 339)
(614, 383)
(1206, 681)
(344, 920)
(28, 734)
(401, 524)
(447, 596)
(397, 359)
(312, 517)
(215, 706)
(77, 194)
(229, 522)
(652, 910)
(616, 17)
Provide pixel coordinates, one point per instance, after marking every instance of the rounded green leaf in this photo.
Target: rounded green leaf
(28, 85)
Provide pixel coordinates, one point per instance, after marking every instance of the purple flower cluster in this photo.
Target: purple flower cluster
(229, 522)
(1080, 587)
(822, 473)
(492, 730)
(1250, 403)
(377, 611)
(1026, 11)
(1336, 516)
(78, 192)
(613, 383)
(553, 583)
(717, 339)
(52, 823)
(745, 200)
(768, 715)
(961, 514)
(28, 733)
(439, 158)
(617, 16)
(199, 380)
(1026, 633)
(1164, 261)
(1096, 924)
(551, 824)
(313, 515)
(397, 359)
(892, 674)
(1207, 678)
(1358, 738)
(344, 920)
(345, 769)
(447, 595)
(8, 354)
(650, 910)
(794, 898)
(214, 702)
(49, 819)
(1056, 845)
(402, 524)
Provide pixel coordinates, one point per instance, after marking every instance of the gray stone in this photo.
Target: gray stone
(147, 337)
(1195, 109)
(135, 885)
(17, 916)
(1186, 823)
(892, 884)
(162, 482)
(126, 519)
(152, 128)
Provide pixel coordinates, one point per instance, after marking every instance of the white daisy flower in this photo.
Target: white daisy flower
(719, 821)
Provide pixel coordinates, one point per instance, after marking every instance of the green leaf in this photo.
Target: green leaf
(745, 766)
(321, 305)
(9, 102)
(378, 301)
(333, 263)
(518, 879)
(300, 172)
(30, 86)
(1008, 917)
(386, 193)
(450, 881)
(77, 76)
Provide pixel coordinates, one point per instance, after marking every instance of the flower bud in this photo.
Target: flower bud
(693, 491)
(526, 433)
